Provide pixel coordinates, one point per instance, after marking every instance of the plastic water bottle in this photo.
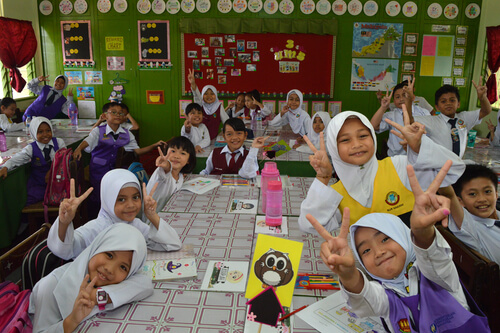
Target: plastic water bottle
(274, 203)
(73, 114)
(3, 142)
(258, 118)
(28, 121)
(270, 172)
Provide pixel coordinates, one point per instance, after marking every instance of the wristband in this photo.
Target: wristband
(102, 298)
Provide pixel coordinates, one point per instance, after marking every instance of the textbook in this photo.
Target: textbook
(226, 276)
(162, 266)
(200, 185)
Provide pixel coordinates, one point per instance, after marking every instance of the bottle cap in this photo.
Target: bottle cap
(274, 185)
(270, 167)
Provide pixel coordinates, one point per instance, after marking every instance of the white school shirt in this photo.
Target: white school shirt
(265, 112)
(280, 121)
(36, 89)
(249, 168)
(199, 136)
(435, 263)
(7, 125)
(231, 112)
(93, 138)
(439, 130)
(75, 241)
(322, 201)
(481, 234)
(199, 99)
(167, 186)
(396, 115)
(419, 101)
(25, 155)
(496, 138)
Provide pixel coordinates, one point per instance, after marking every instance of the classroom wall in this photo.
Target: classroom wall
(162, 121)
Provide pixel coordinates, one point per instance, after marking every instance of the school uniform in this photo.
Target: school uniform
(232, 113)
(376, 186)
(45, 105)
(496, 138)
(429, 282)
(167, 185)
(481, 234)
(439, 129)
(299, 120)
(53, 297)
(40, 155)
(245, 165)
(199, 136)
(163, 239)
(396, 115)
(312, 135)
(213, 113)
(252, 113)
(418, 101)
(7, 125)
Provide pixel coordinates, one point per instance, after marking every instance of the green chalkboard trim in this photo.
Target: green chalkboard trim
(252, 25)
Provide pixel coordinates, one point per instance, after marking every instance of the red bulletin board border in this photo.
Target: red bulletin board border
(315, 74)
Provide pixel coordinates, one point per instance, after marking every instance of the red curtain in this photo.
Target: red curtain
(17, 47)
(493, 38)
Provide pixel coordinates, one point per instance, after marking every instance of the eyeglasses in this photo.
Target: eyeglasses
(120, 114)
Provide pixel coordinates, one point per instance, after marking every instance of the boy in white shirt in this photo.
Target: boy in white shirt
(194, 129)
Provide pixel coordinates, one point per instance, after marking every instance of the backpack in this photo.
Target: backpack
(58, 187)
(14, 309)
(138, 170)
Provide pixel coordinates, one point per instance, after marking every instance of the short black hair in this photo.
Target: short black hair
(124, 107)
(7, 101)
(474, 171)
(236, 123)
(193, 106)
(400, 85)
(255, 94)
(185, 144)
(109, 105)
(444, 90)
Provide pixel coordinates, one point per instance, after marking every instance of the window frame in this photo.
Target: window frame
(5, 84)
(487, 72)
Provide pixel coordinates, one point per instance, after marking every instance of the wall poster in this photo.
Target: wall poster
(154, 41)
(76, 41)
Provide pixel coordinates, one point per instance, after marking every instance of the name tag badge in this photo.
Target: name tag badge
(454, 134)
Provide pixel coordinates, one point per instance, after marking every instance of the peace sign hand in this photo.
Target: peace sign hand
(70, 91)
(408, 91)
(481, 90)
(149, 203)
(42, 78)
(412, 133)
(187, 126)
(68, 207)
(320, 160)
(162, 161)
(83, 303)
(386, 100)
(191, 78)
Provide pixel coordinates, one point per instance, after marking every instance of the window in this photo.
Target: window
(486, 73)
(28, 73)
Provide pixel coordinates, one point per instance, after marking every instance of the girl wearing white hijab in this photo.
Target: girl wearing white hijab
(66, 297)
(213, 110)
(120, 203)
(40, 153)
(367, 185)
(319, 124)
(292, 114)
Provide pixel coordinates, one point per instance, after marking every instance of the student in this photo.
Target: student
(7, 111)
(253, 105)
(236, 109)
(180, 159)
(292, 114)
(319, 124)
(234, 157)
(131, 124)
(494, 133)
(419, 101)
(121, 203)
(194, 129)
(474, 217)
(213, 110)
(40, 153)
(403, 94)
(450, 128)
(416, 282)
(50, 101)
(351, 143)
(109, 267)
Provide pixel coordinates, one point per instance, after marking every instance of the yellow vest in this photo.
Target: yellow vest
(389, 194)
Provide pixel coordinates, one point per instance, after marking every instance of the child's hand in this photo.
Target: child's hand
(319, 160)
(68, 207)
(300, 140)
(380, 95)
(231, 105)
(408, 94)
(83, 303)
(3, 172)
(77, 154)
(297, 145)
(150, 205)
(162, 161)
(256, 102)
(187, 126)
(42, 78)
(160, 144)
(198, 149)
(491, 127)
(386, 100)
(286, 108)
(70, 91)
(259, 142)
(481, 90)
(411, 133)
(191, 78)
(429, 207)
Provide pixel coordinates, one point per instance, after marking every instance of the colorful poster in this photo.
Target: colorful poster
(85, 93)
(437, 55)
(93, 77)
(74, 77)
(377, 40)
(374, 74)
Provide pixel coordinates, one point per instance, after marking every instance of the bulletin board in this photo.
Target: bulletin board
(270, 62)
(154, 40)
(76, 41)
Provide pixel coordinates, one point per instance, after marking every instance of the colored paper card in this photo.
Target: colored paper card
(275, 263)
(445, 46)
(262, 228)
(252, 326)
(243, 206)
(280, 147)
(442, 66)
(437, 55)
(427, 66)
(429, 46)
(265, 308)
(225, 276)
(162, 270)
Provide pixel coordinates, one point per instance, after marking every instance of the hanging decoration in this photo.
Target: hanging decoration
(46, 7)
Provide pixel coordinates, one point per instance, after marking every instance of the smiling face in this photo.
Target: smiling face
(195, 117)
(318, 125)
(128, 204)
(381, 255)
(9, 110)
(240, 101)
(354, 142)
(59, 84)
(234, 139)
(479, 197)
(209, 96)
(115, 116)
(399, 98)
(249, 102)
(44, 133)
(177, 157)
(293, 101)
(448, 104)
(110, 267)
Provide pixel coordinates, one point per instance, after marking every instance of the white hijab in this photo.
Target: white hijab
(295, 117)
(111, 184)
(393, 227)
(357, 180)
(118, 237)
(65, 83)
(311, 134)
(35, 123)
(211, 108)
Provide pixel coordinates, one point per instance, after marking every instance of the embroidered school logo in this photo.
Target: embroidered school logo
(297, 115)
(392, 198)
(433, 328)
(106, 137)
(461, 123)
(404, 326)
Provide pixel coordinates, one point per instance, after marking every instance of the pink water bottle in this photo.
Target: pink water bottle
(270, 172)
(274, 203)
(3, 141)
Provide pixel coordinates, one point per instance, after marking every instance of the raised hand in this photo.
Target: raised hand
(256, 102)
(259, 142)
(198, 149)
(83, 304)
(191, 78)
(491, 127)
(408, 91)
(412, 133)
(187, 126)
(320, 160)
(386, 100)
(285, 109)
(481, 90)
(42, 78)
(70, 91)
(380, 95)
(150, 205)
(162, 161)
(68, 207)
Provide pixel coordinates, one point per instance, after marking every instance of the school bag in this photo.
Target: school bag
(138, 170)
(14, 305)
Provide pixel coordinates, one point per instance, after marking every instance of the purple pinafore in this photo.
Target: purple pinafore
(212, 122)
(39, 168)
(434, 310)
(220, 164)
(38, 108)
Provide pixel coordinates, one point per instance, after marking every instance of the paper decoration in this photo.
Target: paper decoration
(45, 7)
(374, 74)
(155, 97)
(434, 10)
(154, 40)
(355, 7)
(86, 109)
(339, 7)
(173, 6)
(270, 6)
(115, 63)
(66, 7)
(377, 40)
(440, 28)
(203, 6)
(183, 103)
(76, 41)
(307, 6)
(228, 276)
(265, 308)
(74, 77)
(408, 66)
(114, 43)
(275, 263)
(409, 9)
(334, 108)
(239, 6)
(93, 77)
(370, 8)
(85, 93)
(120, 6)
(188, 6)
(158, 6)
(104, 6)
(286, 7)
(284, 326)
(472, 10)
(437, 55)
(143, 6)
(80, 6)
(224, 6)
(451, 11)
(392, 8)
(243, 206)
(255, 6)
(323, 7)
(462, 30)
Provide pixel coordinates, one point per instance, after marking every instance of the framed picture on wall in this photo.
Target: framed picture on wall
(154, 40)
(447, 80)
(459, 82)
(458, 71)
(281, 105)
(462, 41)
(270, 104)
(462, 30)
(407, 77)
(183, 103)
(76, 41)
(410, 50)
(459, 62)
(334, 108)
(155, 97)
(411, 38)
(318, 106)
(459, 51)
(408, 66)
(305, 106)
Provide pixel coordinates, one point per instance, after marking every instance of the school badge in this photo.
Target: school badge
(461, 123)
(297, 115)
(404, 326)
(392, 198)
(454, 135)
